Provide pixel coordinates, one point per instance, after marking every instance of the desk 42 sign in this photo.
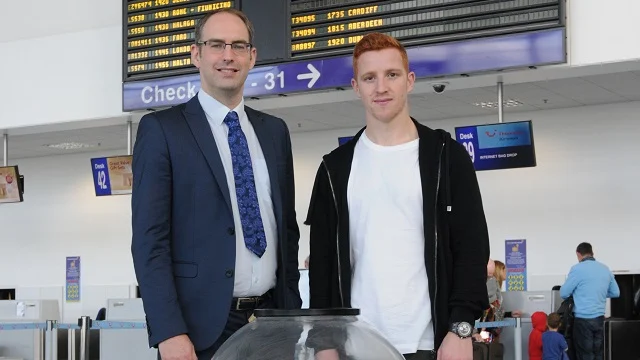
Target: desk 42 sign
(112, 175)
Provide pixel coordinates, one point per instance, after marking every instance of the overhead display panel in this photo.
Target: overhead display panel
(319, 30)
(159, 34)
(311, 48)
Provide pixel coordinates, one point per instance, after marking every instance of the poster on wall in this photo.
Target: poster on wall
(10, 191)
(516, 263)
(112, 175)
(73, 279)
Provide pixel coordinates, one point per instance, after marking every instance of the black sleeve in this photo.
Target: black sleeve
(321, 258)
(469, 240)
(321, 244)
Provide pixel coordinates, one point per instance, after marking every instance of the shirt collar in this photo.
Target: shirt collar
(216, 110)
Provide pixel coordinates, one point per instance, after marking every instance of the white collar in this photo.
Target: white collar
(216, 110)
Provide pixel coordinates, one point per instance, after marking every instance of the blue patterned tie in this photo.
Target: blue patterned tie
(254, 237)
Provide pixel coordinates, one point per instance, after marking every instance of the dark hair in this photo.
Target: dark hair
(584, 249)
(554, 320)
(203, 20)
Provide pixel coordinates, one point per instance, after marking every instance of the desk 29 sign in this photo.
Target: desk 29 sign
(499, 146)
(112, 175)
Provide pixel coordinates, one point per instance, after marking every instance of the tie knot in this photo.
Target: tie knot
(232, 119)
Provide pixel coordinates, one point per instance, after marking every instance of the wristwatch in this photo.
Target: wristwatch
(462, 329)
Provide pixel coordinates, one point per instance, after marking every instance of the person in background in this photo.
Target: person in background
(554, 346)
(398, 228)
(590, 282)
(215, 234)
(500, 272)
(496, 274)
(493, 289)
(539, 326)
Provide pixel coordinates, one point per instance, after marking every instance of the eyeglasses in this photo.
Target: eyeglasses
(240, 48)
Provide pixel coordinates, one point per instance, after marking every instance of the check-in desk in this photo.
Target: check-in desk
(25, 344)
(125, 344)
(528, 302)
(621, 339)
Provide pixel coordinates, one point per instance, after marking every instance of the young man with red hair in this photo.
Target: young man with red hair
(397, 226)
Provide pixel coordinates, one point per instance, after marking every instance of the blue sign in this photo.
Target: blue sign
(463, 57)
(112, 175)
(72, 279)
(516, 263)
(499, 146)
(101, 176)
(343, 140)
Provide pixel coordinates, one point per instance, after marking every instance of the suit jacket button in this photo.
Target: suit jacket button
(231, 231)
(229, 273)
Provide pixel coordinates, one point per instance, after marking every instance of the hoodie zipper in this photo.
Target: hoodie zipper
(435, 214)
(335, 203)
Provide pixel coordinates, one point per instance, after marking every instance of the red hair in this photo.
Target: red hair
(374, 42)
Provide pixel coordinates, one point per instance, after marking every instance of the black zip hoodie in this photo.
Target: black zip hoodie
(455, 232)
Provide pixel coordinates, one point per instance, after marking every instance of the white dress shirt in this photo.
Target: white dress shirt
(254, 276)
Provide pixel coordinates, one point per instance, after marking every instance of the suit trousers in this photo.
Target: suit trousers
(237, 319)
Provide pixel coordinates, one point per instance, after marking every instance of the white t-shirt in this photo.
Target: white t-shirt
(386, 228)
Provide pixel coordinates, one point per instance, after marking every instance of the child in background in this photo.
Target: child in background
(554, 346)
(539, 322)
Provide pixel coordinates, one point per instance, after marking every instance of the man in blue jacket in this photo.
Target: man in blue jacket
(590, 283)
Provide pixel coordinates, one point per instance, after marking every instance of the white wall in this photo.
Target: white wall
(613, 39)
(60, 78)
(583, 189)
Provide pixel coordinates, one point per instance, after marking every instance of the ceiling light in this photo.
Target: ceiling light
(494, 104)
(69, 146)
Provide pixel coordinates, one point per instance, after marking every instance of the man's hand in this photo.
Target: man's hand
(177, 348)
(516, 313)
(329, 354)
(454, 348)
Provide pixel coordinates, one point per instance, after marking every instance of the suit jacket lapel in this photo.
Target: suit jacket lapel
(267, 143)
(197, 121)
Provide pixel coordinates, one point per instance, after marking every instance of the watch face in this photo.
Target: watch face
(464, 329)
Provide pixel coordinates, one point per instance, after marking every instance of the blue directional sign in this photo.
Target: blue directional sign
(463, 57)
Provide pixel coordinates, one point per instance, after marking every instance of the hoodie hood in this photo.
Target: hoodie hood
(539, 321)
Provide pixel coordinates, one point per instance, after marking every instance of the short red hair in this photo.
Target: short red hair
(374, 42)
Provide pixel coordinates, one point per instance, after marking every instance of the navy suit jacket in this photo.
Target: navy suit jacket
(184, 244)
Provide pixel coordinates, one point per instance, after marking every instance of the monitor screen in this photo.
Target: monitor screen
(10, 185)
(499, 146)
(112, 175)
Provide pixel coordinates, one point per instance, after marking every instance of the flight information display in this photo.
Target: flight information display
(159, 33)
(318, 30)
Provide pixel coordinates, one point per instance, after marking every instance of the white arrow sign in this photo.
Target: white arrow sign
(314, 75)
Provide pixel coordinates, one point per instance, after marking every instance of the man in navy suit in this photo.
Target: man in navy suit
(214, 226)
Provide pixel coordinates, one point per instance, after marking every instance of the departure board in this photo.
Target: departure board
(330, 27)
(158, 33)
